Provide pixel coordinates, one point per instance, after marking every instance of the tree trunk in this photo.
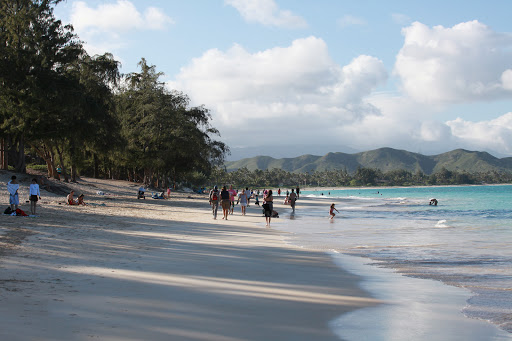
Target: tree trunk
(96, 167)
(61, 159)
(17, 153)
(21, 165)
(4, 160)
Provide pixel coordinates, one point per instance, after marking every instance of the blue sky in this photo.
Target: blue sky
(286, 78)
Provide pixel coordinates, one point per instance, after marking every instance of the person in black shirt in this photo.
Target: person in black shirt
(225, 202)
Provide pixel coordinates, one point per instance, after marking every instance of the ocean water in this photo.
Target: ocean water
(465, 241)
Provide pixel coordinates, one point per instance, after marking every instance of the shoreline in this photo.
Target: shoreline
(383, 282)
(317, 189)
(163, 269)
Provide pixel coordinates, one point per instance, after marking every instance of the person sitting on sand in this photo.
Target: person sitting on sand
(141, 193)
(80, 200)
(70, 199)
(331, 211)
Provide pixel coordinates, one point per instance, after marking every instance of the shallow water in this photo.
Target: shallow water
(464, 241)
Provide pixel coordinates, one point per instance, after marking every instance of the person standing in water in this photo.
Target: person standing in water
(292, 198)
(331, 211)
(268, 205)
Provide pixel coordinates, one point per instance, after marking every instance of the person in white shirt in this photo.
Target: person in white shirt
(12, 188)
(35, 194)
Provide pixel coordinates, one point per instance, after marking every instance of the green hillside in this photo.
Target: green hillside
(385, 159)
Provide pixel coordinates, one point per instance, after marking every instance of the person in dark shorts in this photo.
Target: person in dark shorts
(35, 194)
(268, 206)
(225, 202)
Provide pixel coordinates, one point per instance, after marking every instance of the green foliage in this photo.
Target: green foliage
(164, 135)
(362, 177)
(37, 167)
(67, 107)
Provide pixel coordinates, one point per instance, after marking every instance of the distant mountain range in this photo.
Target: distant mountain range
(385, 159)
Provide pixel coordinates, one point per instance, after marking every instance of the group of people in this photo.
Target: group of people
(13, 187)
(226, 199)
(71, 200)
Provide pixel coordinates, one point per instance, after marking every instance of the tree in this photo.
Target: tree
(35, 51)
(165, 137)
(365, 176)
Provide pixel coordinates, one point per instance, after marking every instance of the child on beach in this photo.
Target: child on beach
(35, 194)
(12, 188)
(331, 211)
(80, 200)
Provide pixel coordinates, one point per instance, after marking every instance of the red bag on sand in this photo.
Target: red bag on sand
(21, 213)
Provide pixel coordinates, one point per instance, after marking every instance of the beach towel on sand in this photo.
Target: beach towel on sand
(19, 212)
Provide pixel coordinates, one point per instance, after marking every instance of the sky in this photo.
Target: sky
(284, 78)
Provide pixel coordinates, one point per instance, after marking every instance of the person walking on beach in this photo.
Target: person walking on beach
(248, 193)
(34, 195)
(232, 194)
(242, 199)
(298, 191)
(225, 202)
(268, 206)
(12, 187)
(292, 198)
(214, 201)
(331, 211)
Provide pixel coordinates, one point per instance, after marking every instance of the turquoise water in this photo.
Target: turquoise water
(465, 241)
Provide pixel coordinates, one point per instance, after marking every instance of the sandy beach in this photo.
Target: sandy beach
(128, 269)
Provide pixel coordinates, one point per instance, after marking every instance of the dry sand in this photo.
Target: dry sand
(160, 270)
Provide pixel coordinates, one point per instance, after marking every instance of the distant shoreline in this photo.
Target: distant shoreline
(389, 187)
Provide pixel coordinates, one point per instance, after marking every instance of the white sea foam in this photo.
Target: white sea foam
(464, 241)
(441, 223)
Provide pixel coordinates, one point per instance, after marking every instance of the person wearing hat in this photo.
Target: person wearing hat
(214, 200)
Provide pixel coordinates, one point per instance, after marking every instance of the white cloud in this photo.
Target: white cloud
(297, 87)
(116, 17)
(506, 79)
(349, 20)
(266, 12)
(467, 62)
(485, 135)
